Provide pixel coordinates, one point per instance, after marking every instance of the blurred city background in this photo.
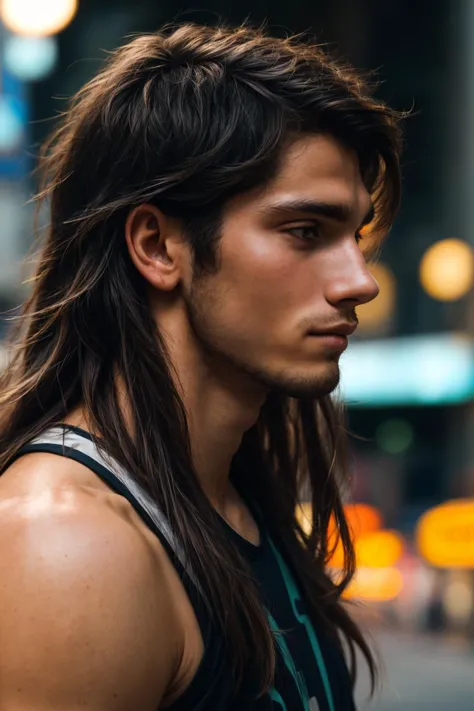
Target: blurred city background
(408, 380)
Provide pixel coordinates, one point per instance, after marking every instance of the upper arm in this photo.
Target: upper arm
(82, 621)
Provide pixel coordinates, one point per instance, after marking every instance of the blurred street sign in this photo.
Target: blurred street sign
(418, 370)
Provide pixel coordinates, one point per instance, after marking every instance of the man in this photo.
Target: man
(169, 399)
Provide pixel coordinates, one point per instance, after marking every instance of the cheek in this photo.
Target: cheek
(267, 280)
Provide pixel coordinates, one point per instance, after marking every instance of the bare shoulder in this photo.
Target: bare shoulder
(87, 615)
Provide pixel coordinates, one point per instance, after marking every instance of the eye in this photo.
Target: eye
(313, 233)
(308, 233)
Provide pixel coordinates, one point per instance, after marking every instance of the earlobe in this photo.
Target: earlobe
(150, 237)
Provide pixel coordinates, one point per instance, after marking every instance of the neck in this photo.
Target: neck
(217, 420)
(221, 405)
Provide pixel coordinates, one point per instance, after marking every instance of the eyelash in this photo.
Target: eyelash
(317, 233)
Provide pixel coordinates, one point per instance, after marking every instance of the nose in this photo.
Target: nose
(350, 282)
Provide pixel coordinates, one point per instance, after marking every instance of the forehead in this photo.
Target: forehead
(319, 167)
(312, 168)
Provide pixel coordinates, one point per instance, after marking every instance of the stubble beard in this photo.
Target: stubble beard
(285, 383)
(295, 386)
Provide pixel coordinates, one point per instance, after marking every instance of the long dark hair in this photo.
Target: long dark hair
(185, 118)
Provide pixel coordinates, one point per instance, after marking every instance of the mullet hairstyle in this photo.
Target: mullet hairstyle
(186, 118)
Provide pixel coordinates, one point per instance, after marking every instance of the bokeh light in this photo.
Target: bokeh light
(379, 549)
(37, 17)
(30, 58)
(362, 519)
(375, 584)
(11, 126)
(394, 436)
(447, 270)
(445, 535)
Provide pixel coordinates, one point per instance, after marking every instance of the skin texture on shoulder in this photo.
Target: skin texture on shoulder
(90, 615)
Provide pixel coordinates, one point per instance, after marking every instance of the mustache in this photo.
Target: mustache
(322, 324)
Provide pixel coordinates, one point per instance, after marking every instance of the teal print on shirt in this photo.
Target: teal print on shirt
(290, 665)
(275, 696)
(294, 595)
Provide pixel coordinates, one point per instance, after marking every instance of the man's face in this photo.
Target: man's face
(290, 273)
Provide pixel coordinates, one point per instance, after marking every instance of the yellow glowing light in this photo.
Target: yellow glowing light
(379, 549)
(361, 518)
(375, 584)
(447, 270)
(37, 17)
(445, 535)
(378, 312)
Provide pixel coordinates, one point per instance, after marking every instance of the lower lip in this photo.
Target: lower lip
(332, 340)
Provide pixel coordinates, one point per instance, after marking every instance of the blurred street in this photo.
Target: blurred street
(421, 674)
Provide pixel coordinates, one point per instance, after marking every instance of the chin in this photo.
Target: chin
(304, 384)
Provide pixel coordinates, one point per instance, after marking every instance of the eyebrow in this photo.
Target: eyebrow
(339, 212)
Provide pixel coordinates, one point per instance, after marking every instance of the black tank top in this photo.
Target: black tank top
(311, 673)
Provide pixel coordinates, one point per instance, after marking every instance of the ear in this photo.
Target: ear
(155, 245)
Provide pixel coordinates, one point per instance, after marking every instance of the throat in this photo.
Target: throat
(238, 517)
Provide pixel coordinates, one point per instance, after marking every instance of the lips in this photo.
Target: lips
(344, 329)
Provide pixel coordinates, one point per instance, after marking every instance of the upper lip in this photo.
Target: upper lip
(343, 329)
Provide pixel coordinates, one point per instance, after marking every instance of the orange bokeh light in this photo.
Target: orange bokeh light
(361, 519)
(375, 584)
(445, 534)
